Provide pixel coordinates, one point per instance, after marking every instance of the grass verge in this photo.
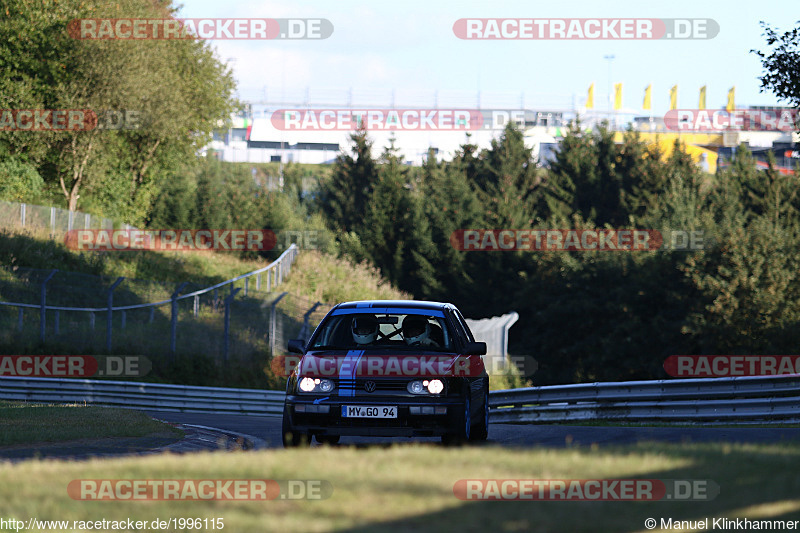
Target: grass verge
(410, 487)
(25, 423)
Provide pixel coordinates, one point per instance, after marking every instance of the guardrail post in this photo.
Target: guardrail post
(304, 333)
(110, 296)
(273, 323)
(124, 316)
(227, 326)
(174, 318)
(269, 280)
(57, 328)
(258, 281)
(19, 320)
(43, 303)
(91, 320)
(152, 313)
(196, 305)
(246, 280)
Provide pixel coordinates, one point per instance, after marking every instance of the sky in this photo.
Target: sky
(409, 48)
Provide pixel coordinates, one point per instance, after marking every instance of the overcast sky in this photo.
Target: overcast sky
(410, 47)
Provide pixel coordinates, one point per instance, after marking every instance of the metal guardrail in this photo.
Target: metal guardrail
(725, 399)
(706, 399)
(137, 395)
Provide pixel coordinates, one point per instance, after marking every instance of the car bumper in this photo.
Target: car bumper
(407, 423)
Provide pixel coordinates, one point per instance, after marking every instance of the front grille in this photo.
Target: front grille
(383, 384)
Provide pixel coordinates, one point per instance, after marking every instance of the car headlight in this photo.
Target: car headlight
(433, 386)
(315, 385)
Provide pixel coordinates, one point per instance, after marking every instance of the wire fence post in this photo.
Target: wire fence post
(43, 303)
(227, 326)
(174, 318)
(22, 209)
(273, 322)
(19, 320)
(304, 331)
(109, 317)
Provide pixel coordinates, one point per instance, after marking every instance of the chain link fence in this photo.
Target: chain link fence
(58, 221)
(81, 313)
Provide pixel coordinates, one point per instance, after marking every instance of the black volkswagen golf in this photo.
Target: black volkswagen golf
(388, 368)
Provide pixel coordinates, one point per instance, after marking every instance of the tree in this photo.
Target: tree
(344, 197)
(782, 65)
(396, 234)
(173, 92)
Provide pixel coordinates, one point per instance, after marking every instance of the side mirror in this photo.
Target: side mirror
(475, 348)
(297, 346)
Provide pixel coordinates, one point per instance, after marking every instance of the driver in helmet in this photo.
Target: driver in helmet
(364, 329)
(417, 331)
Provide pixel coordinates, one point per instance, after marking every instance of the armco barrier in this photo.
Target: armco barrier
(765, 399)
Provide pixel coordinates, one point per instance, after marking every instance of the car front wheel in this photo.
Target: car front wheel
(481, 430)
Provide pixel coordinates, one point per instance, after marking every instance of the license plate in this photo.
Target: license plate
(366, 411)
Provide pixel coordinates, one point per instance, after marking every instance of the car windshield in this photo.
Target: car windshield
(396, 331)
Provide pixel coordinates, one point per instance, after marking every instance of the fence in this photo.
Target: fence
(57, 220)
(120, 302)
(765, 399)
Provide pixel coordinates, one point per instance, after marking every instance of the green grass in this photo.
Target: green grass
(322, 277)
(24, 423)
(410, 487)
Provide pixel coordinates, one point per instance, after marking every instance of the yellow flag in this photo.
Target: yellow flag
(590, 97)
(617, 96)
(647, 92)
(702, 104)
(673, 97)
(731, 104)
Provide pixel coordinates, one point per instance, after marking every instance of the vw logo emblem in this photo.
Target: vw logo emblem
(369, 386)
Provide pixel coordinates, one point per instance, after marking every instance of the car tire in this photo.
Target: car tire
(291, 437)
(481, 430)
(327, 439)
